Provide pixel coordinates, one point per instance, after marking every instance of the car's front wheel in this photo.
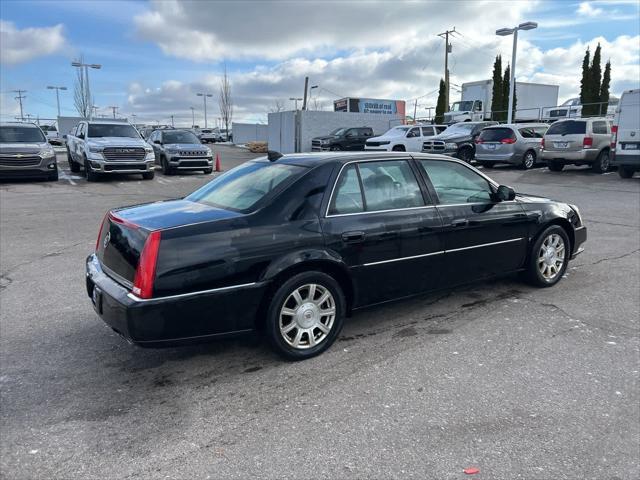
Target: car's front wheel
(465, 154)
(305, 315)
(626, 172)
(90, 174)
(549, 257)
(73, 166)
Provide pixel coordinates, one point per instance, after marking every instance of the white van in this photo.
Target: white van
(625, 138)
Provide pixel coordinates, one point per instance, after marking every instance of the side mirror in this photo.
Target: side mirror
(505, 193)
(157, 142)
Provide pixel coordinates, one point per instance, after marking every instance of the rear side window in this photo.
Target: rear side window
(427, 132)
(389, 186)
(347, 197)
(496, 134)
(569, 127)
(599, 127)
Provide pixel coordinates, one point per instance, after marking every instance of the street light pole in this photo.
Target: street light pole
(204, 96)
(296, 100)
(503, 32)
(57, 89)
(193, 117)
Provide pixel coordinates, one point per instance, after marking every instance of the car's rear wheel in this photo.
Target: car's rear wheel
(601, 165)
(528, 160)
(335, 148)
(90, 174)
(549, 257)
(305, 315)
(626, 172)
(554, 166)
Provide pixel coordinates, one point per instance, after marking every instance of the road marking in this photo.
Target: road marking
(64, 176)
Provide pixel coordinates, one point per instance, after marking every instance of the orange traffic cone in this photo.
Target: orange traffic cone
(218, 167)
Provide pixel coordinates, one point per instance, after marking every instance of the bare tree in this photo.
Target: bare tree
(81, 95)
(316, 104)
(225, 102)
(278, 106)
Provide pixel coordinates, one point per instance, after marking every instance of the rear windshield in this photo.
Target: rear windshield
(112, 130)
(179, 137)
(21, 135)
(242, 188)
(570, 127)
(496, 134)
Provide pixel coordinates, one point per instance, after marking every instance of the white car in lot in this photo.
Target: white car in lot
(403, 138)
(625, 139)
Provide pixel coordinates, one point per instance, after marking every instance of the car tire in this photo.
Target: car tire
(208, 171)
(148, 175)
(90, 175)
(73, 166)
(335, 148)
(555, 166)
(398, 148)
(626, 172)
(303, 296)
(528, 160)
(601, 165)
(166, 169)
(465, 154)
(549, 257)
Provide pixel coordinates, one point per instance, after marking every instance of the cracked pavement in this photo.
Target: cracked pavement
(516, 381)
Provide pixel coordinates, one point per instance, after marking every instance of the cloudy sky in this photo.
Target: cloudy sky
(157, 55)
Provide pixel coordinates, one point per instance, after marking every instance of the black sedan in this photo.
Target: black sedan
(292, 244)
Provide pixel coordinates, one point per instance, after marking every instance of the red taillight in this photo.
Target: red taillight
(100, 231)
(542, 143)
(508, 141)
(614, 136)
(479, 140)
(146, 271)
(587, 142)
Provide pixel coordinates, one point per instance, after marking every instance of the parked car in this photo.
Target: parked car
(180, 150)
(25, 152)
(515, 144)
(578, 142)
(208, 135)
(52, 134)
(457, 141)
(106, 147)
(292, 244)
(625, 142)
(572, 108)
(343, 138)
(403, 138)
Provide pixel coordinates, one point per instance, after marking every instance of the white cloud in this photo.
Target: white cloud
(588, 10)
(19, 46)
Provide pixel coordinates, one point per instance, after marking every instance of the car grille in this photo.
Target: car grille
(193, 154)
(115, 168)
(194, 163)
(13, 161)
(315, 143)
(433, 146)
(124, 154)
(373, 144)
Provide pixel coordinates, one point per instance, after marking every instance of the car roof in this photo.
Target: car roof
(18, 124)
(107, 122)
(315, 159)
(517, 125)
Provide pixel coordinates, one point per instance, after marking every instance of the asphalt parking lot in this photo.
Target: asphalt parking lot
(516, 381)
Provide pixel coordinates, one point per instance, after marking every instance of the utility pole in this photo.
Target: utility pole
(19, 98)
(193, 117)
(172, 121)
(306, 90)
(114, 110)
(204, 95)
(447, 51)
(57, 89)
(415, 108)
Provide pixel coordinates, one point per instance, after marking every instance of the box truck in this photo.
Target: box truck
(475, 104)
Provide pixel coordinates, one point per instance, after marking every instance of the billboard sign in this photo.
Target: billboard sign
(370, 105)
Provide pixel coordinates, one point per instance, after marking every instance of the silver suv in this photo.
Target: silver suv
(516, 144)
(578, 142)
(25, 152)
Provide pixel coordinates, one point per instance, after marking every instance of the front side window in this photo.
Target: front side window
(347, 196)
(389, 186)
(10, 134)
(97, 130)
(414, 132)
(456, 184)
(241, 188)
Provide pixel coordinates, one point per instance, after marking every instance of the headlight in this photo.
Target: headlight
(577, 210)
(95, 149)
(451, 146)
(148, 149)
(324, 142)
(47, 152)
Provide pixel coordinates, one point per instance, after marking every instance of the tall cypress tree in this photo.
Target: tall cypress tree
(595, 75)
(585, 82)
(441, 105)
(604, 89)
(505, 92)
(497, 98)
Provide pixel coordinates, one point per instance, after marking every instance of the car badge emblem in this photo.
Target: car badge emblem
(19, 155)
(106, 240)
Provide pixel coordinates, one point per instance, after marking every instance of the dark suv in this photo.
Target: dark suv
(180, 150)
(457, 141)
(343, 138)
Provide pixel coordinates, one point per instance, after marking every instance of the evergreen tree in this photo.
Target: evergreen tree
(505, 93)
(595, 75)
(585, 82)
(441, 105)
(604, 88)
(497, 99)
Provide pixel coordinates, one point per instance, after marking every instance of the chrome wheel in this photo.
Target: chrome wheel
(307, 315)
(551, 256)
(529, 160)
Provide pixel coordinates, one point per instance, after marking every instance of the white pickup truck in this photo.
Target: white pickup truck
(104, 147)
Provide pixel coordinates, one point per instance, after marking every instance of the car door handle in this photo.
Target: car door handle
(353, 237)
(462, 222)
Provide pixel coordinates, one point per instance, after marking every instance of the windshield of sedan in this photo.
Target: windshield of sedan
(21, 135)
(179, 137)
(243, 187)
(97, 130)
